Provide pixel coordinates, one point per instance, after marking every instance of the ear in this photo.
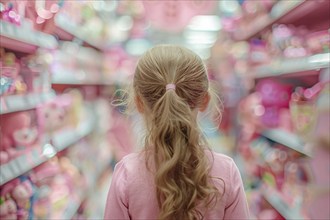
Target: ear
(205, 102)
(139, 104)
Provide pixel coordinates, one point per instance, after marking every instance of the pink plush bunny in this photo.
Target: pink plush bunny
(17, 135)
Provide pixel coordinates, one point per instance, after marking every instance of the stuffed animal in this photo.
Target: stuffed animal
(8, 209)
(275, 96)
(22, 195)
(18, 134)
(9, 12)
(11, 81)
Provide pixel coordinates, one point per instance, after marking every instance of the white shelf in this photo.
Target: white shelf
(77, 78)
(24, 39)
(275, 199)
(25, 163)
(288, 139)
(16, 103)
(74, 30)
(262, 23)
(291, 66)
(74, 205)
(36, 157)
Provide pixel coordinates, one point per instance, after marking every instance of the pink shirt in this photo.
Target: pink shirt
(132, 191)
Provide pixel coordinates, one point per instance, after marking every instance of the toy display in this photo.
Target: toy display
(18, 135)
(62, 62)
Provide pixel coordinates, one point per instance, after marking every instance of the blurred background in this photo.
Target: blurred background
(62, 62)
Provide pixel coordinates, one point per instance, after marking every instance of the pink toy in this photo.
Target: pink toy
(295, 49)
(274, 97)
(173, 16)
(8, 209)
(18, 133)
(52, 115)
(282, 35)
(11, 81)
(10, 12)
(258, 52)
(318, 42)
(22, 194)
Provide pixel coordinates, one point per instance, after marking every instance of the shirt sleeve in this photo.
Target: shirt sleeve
(236, 207)
(117, 202)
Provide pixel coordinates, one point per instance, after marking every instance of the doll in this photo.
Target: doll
(11, 81)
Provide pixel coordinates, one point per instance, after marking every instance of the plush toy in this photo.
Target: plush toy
(11, 81)
(318, 42)
(42, 177)
(18, 134)
(8, 209)
(53, 115)
(275, 96)
(22, 194)
(9, 12)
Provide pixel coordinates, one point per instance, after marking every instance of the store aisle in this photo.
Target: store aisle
(64, 64)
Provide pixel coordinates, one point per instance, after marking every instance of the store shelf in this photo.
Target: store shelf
(77, 78)
(288, 139)
(296, 12)
(264, 22)
(36, 157)
(74, 205)
(293, 66)
(24, 39)
(25, 163)
(276, 200)
(68, 30)
(16, 103)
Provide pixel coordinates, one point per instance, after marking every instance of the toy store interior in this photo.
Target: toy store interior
(64, 63)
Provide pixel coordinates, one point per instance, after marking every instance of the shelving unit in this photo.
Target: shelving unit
(288, 139)
(287, 12)
(78, 78)
(256, 27)
(68, 30)
(60, 141)
(74, 205)
(24, 39)
(293, 66)
(14, 103)
(19, 166)
(276, 200)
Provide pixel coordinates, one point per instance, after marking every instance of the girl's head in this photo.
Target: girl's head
(170, 86)
(168, 64)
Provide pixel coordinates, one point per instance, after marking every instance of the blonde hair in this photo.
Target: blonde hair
(178, 148)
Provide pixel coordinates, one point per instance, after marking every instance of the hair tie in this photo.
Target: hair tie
(170, 86)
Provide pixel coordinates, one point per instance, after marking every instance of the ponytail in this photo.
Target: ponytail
(182, 169)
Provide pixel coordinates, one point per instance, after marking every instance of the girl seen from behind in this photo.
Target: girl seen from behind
(176, 175)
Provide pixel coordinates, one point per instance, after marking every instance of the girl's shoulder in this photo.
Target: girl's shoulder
(219, 159)
(223, 166)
